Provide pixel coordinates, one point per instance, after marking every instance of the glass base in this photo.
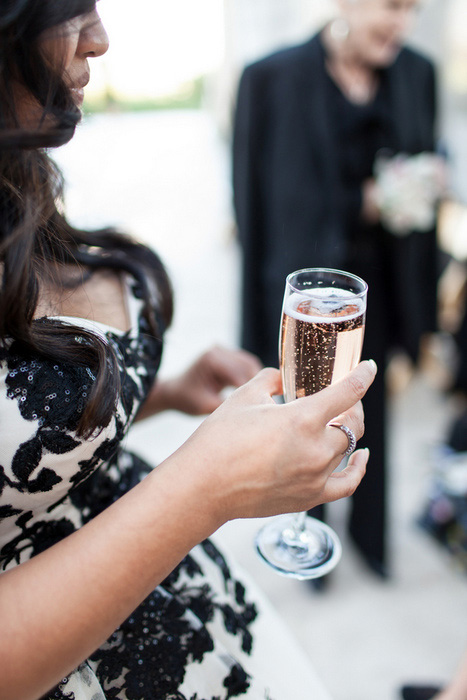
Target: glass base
(314, 553)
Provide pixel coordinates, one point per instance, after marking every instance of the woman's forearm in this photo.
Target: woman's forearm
(60, 606)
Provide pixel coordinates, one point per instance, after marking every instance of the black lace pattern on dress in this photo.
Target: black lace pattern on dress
(147, 657)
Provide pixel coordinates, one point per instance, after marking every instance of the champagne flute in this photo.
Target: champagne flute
(321, 338)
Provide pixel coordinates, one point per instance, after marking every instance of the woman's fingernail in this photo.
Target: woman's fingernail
(374, 365)
(361, 456)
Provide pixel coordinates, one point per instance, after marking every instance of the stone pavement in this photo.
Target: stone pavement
(165, 177)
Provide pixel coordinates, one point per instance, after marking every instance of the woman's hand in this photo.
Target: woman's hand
(198, 391)
(253, 457)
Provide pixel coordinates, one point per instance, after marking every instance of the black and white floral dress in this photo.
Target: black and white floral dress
(200, 635)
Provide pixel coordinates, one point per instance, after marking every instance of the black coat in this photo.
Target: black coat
(287, 194)
(291, 211)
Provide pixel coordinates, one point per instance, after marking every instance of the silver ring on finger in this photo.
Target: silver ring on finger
(350, 437)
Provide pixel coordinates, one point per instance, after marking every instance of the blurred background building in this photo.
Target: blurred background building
(153, 157)
(190, 54)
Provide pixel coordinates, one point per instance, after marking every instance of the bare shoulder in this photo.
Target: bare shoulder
(99, 296)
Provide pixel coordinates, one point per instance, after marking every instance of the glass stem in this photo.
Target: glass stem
(300, 523)
(293, 535)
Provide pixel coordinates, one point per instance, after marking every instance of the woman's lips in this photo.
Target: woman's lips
(78, 89)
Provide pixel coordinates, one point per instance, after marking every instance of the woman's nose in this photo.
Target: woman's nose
(94, 41)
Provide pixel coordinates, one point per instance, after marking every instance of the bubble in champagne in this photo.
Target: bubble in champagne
(321, 339)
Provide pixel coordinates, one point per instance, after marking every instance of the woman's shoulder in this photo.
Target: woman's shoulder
(413, 59)
(287, 59)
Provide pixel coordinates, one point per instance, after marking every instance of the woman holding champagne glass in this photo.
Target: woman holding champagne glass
(110, 587)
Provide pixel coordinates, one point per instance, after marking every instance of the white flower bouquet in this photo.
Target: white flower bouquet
(408, 190)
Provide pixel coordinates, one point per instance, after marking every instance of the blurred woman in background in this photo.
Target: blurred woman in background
(334, 166)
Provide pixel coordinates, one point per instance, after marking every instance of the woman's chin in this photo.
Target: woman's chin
(387, 54)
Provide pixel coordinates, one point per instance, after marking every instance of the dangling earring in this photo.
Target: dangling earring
(339, 29)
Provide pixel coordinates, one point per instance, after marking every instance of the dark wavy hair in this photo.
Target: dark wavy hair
(35, 237)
